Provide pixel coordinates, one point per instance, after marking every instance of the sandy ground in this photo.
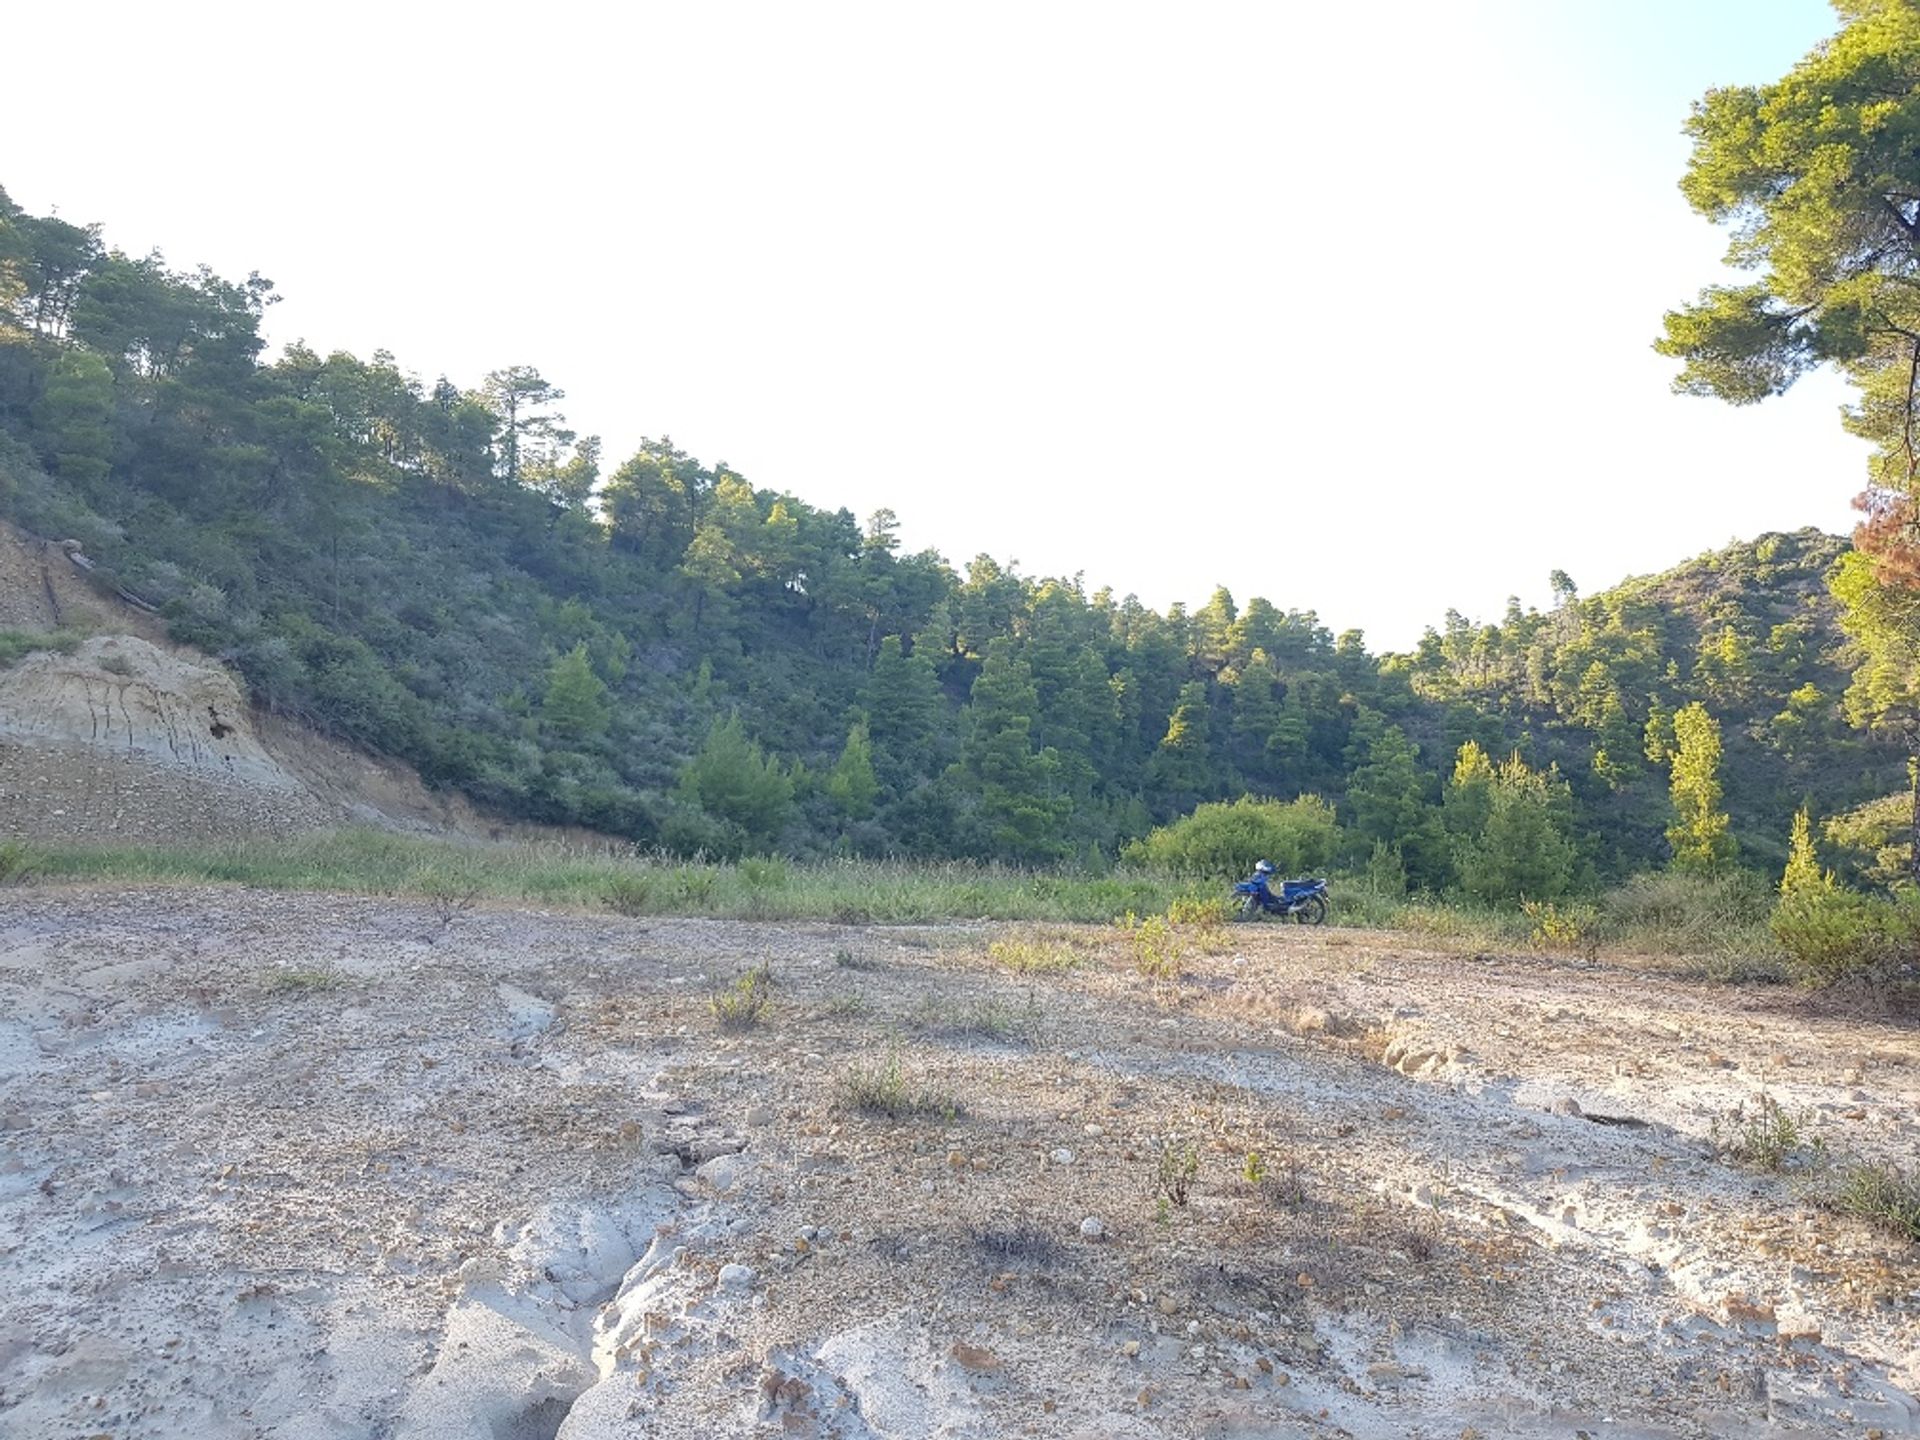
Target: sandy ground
(305, 1166)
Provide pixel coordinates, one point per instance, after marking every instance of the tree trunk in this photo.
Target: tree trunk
(1913, 833)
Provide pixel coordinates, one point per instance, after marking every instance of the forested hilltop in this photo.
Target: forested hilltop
(664, 650)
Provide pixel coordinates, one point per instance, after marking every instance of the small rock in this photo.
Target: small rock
(976, 1358)
(1567, 1105)
(1062, 1156)
(734, 1276)
(1094, 1130)
(1092, 1229)
(723, 1172)
(760, 1115)
(1131, 1349)
(1168, 1305)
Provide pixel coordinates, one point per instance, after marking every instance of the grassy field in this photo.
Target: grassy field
(1722, 924)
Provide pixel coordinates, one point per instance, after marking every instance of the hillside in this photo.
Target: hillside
(109, 731)
(671, 653)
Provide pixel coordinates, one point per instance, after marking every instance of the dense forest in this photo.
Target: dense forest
(664, 650)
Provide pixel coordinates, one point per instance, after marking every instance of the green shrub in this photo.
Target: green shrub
(1157, 946)
(1559, 927)
(629, 894)
(1175, 1170)
(883, 1090)
(19, 862)
(1832, 934)
(1225, 839)
(1885, 1198)
(747, 1001)
(1035, 952)
(17, 643)
(1667, 913)
(763, 874)
(1765, 1134)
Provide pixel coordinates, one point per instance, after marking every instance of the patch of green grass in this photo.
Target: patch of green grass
(1884, 1197)
(747, 1002)
(629, 894)
(15, 644)
(19, 862)
(1722, 924)
(852, 1003)
(1158, 948)
(884, 1090)
(295, 980)
(1036, 952)
(846, 959)
(618, 877)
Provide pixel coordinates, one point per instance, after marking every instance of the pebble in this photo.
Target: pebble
(734, 1276)
(976, 1358)
(1094, 1130)
(1092, 1229)
(759, 1115)
(1168, 1305)
(1062, 1156)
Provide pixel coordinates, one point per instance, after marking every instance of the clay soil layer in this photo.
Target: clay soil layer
(304, 1166)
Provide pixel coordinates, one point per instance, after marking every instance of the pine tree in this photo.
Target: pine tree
(1022, 814)
(902, 700)
(1699, 833)
(734, 780)
(1521, 850)
(1181, 771)
(1469, 797)
(851, 784)
(1803, 874)
(76, 411)
(1388, 797)
(576, 706)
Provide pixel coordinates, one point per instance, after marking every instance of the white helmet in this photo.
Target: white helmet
(1263, 868)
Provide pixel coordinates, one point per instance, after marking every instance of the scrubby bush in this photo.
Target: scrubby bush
(1831, 934)
(1670, 913)
(1225, 839)
(19, 862)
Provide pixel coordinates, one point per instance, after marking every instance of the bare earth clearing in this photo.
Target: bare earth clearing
(306, 1166)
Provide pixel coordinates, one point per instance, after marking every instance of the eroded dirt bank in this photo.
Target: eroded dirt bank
(305, 1166)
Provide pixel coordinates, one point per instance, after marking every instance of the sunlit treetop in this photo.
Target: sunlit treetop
(1817, 178)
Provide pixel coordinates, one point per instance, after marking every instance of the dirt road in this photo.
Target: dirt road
(305, 1166)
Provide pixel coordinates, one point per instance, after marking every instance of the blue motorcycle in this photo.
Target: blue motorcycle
(1303, 901)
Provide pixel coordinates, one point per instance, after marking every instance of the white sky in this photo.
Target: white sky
(1345, 305)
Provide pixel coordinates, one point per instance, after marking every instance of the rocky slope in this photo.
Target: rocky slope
(129, 737)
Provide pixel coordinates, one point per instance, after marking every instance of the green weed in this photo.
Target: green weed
(1766, 1135)
(1885, 1198)
(19, 862)
(747, 1001)
(884, 1090)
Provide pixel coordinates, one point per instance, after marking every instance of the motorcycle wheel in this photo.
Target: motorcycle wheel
(1313, 912)
(1249, 908)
